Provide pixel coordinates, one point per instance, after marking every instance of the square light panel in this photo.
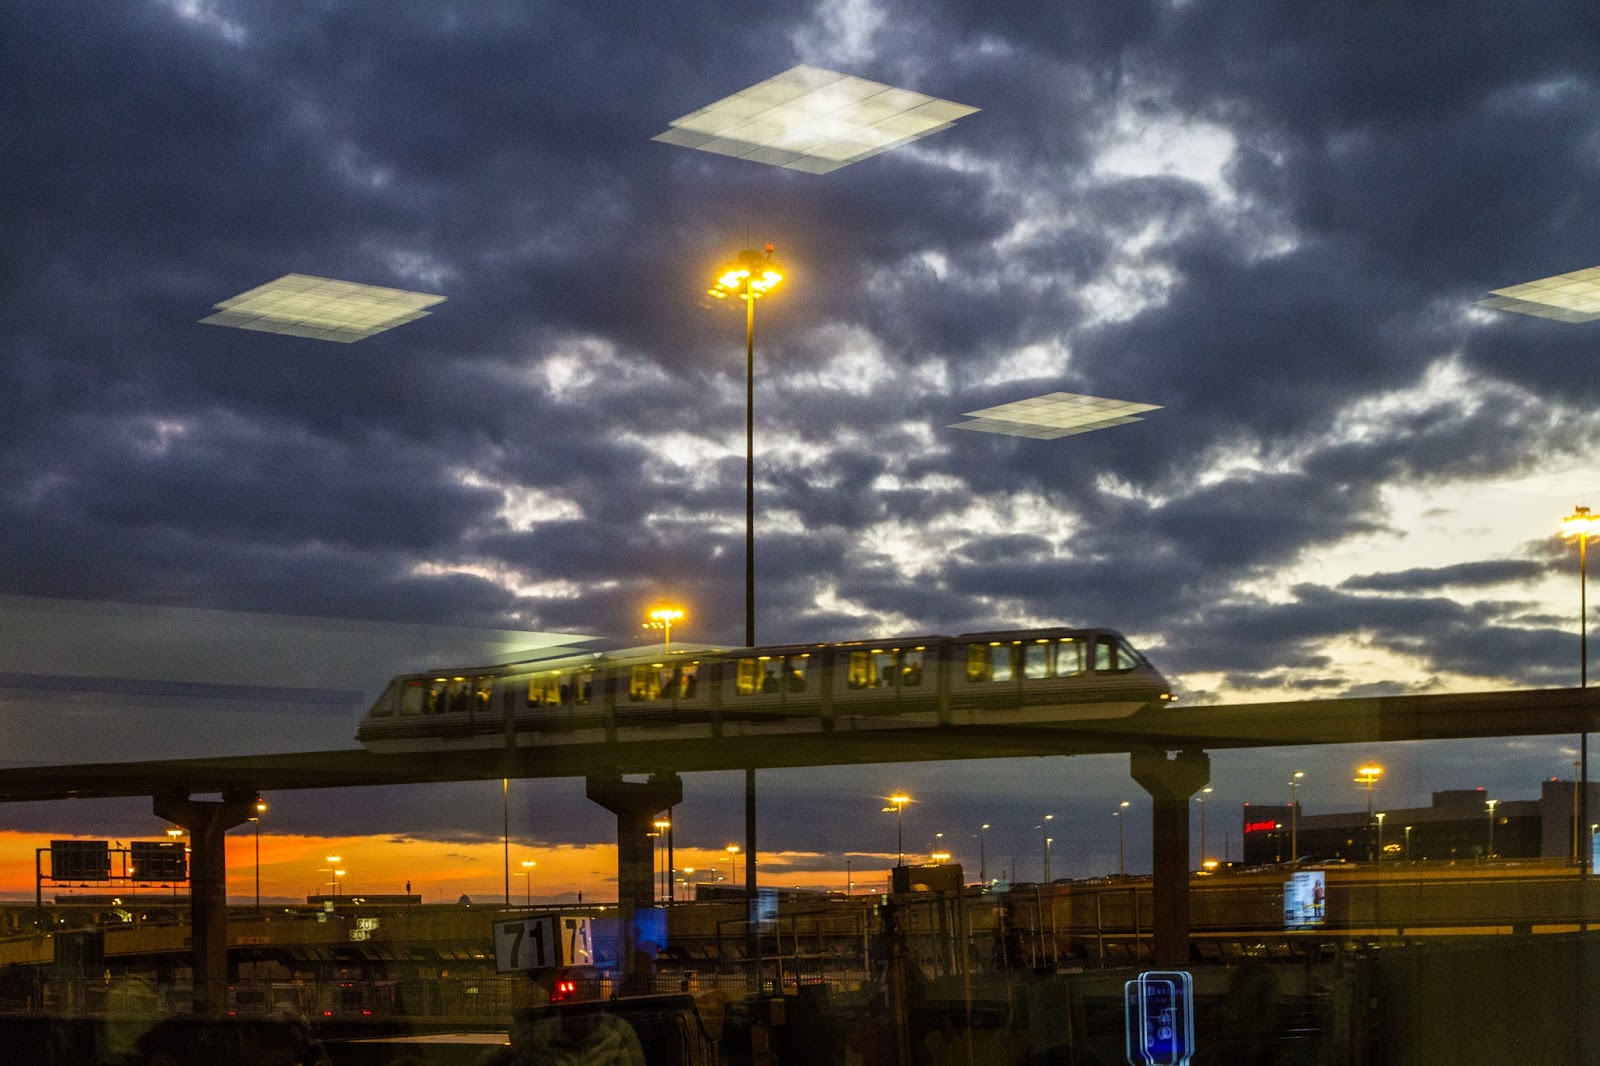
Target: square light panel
(1573, 297)
(324, 308)
(813, 120)
(1056, 414)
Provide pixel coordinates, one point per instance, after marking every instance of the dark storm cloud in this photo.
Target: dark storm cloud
(1387, 165)
(1428, 578)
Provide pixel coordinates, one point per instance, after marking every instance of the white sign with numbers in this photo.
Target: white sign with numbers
(526, 944)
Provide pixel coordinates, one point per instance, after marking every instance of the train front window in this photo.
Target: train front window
(1128, 657)
(413, 696)
(1108, 657)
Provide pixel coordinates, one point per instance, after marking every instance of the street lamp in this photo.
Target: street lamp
(1408, 843)
(1201, 799)
(897, 804)
(662, 825)
(983, 861)
(261, 808)
(527, 881)
(1121, 838)
(1368, 775)
(662, 618)
(751, 276)
(1044, 831)
(1294, 816)
(733, 863)
(938, 845)
(1489, 854)
(1581, 524)
(1380, 817)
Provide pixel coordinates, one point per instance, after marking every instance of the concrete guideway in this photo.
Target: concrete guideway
(1297, 723)
(1148, 739)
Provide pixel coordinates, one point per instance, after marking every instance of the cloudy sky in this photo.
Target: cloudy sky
(1272, 223)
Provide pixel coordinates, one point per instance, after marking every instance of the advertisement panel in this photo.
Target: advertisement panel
(1305, 900)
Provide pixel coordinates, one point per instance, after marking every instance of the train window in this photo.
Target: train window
(438, 696)
(859, 674)
(684, 681)
(1036, 664)
(645, 683)
(544, 690)
(413, 696)
(883, 668)
(460, 694)
(794, 672)
(749, 679)
(584, 687)
(483, 693)
(1002, 667)
(1069, 657)
(977, 662)
(911, 668)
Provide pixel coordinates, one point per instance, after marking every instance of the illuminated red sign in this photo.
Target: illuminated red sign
(1260, 827)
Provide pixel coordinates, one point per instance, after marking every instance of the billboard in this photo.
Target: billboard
(1305, 897)
(80, 860)
(157, 860)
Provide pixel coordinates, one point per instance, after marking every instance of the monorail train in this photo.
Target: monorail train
(1038, 676)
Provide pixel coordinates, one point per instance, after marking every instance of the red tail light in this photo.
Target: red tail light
(564, 989)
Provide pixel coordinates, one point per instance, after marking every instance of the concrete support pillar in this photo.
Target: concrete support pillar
(636, 805)
(207, 821)
(1170, 782)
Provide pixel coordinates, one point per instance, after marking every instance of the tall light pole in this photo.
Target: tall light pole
(1294, 816)
(1380, 816)
(983, 860)
(749, 277)
(1044, 836)
(1201, 799)
(505, 833)
(1489, 854)
(733, 863)
(1122, 870)
(662, 617)
(527, 881)
(897, 804)
(261, 808)
(1368, 774)
(1408, 843)
(1580, 523)
(662, 825)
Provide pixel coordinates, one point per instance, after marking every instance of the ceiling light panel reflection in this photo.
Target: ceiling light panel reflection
(813, 120)
(1573, 297)
(1055, 415)
(323, 308)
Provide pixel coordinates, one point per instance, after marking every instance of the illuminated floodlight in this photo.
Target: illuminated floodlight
(813, 120)
(1054, 415)
(323, 308)
(1573, 297)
